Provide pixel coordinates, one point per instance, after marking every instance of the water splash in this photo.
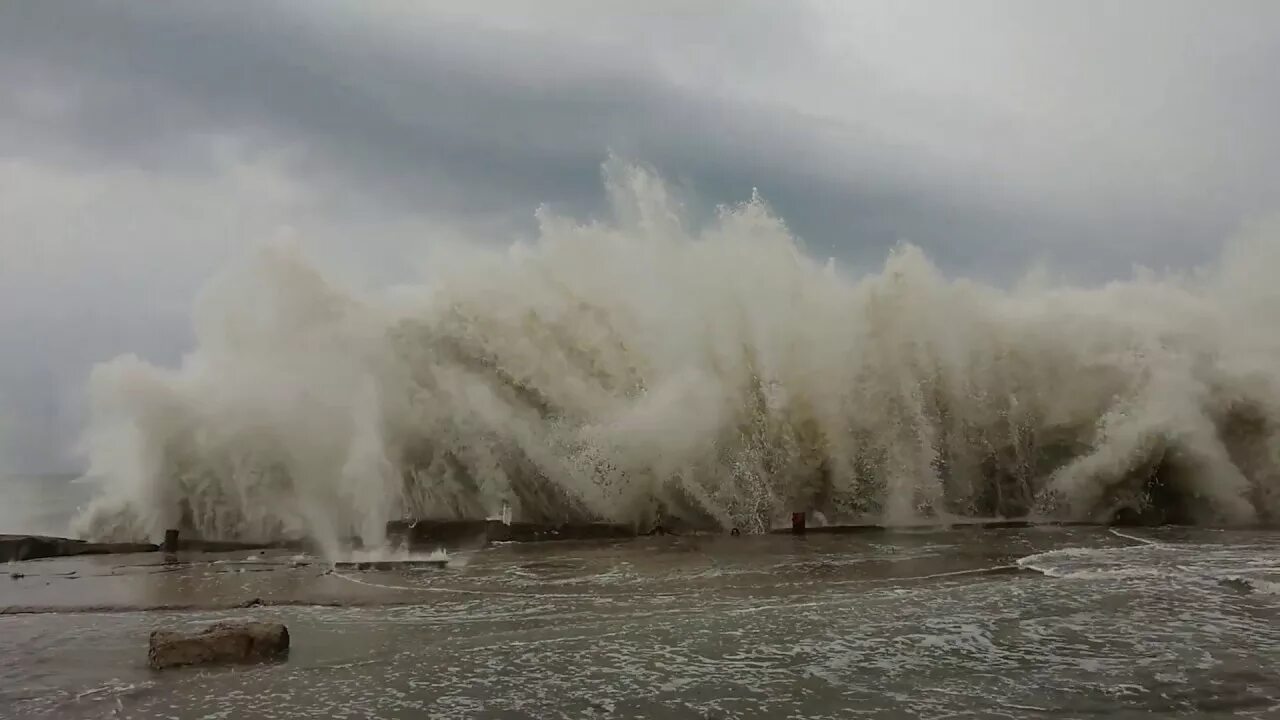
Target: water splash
(637, 369)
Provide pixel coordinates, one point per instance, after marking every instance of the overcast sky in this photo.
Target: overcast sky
(142, 143)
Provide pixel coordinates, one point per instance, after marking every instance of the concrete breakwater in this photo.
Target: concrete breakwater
(411, 534)
(16, 548)
(428, 534)
(34, 547)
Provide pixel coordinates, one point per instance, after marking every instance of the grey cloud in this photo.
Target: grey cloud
(1116, 133)
(469, 119)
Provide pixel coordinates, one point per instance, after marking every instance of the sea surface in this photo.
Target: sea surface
(963, 623)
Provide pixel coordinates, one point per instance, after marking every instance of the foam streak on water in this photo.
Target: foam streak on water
(930, 625)
(634, 368)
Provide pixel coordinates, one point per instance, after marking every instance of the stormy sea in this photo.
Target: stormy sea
(1052, 500)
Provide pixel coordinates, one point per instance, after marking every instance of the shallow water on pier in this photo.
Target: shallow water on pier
(1062, 622)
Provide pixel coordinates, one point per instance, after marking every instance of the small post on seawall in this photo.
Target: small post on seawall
(797, 523)
(170, 542)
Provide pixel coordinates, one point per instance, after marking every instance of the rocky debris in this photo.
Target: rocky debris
(33, 547)
(411, 564)
(1237, 584)
(220, 643)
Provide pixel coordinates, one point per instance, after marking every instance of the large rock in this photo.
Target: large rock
(220, 643)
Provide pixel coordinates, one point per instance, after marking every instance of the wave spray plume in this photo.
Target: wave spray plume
(637, 369)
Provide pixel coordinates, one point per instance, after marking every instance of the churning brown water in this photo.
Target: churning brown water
(1049, 622)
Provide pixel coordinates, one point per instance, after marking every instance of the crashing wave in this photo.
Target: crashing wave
(642, 369)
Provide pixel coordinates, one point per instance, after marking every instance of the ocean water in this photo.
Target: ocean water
(1031, 623)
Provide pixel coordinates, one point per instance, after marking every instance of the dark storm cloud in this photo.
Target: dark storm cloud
(453, 116)
(993, 134)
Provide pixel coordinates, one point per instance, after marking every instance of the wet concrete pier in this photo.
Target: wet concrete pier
(430, 534)
(16, 548)
(477, 533)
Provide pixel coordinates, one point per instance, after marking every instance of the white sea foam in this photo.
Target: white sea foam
(627, 369)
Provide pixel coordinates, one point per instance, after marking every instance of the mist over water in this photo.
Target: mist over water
(639, 370)
(40, 504)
